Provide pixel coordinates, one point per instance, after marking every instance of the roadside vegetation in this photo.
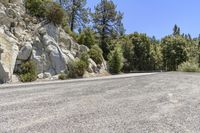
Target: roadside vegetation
(28, 72)
(103, 32)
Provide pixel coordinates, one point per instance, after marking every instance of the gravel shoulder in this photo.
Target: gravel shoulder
(161, 102)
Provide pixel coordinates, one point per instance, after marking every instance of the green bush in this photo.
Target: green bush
(84, 57)
(189, 66)
(116, 61)
(55, 13)
(36, 7)
(96, 54)
(28, 72)
(45, 8)
(62, 76)
(72, 34)
(87, 37)
(77, 69)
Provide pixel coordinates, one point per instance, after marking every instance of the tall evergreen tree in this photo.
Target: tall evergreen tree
(108, 23)
(77, 12)
(176, 30)
(199, 49)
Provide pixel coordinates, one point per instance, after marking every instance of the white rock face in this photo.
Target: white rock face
(25, 51)
(92, 66)
(8, 54)
(46, 44)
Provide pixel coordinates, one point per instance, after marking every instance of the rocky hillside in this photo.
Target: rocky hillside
(24, 38)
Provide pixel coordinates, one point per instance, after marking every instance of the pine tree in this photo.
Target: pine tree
(116, 60)
(108, 23)
(176, 30)
(77, 12)
(199, 49)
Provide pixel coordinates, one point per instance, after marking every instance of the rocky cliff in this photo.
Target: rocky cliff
(23, 38)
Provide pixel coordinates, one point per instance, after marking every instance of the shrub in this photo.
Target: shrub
(36, 7)
(96, 54)
(45, 8)
(189, 66)
(116, 61)
(77, 69)
(87, 37)
(62, 76)
(28, 72)
(72, 34)
(84, 57)
(55, 13)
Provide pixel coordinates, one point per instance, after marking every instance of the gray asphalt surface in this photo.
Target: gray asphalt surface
(158, 103)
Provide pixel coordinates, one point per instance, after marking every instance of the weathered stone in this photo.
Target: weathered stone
(47, 75)
(92, 66)
(48, 45)
(83, 48)
(9, 51)
(15, 79)
(25, 51)
(56, 58)
(42, 31)
(40, 76)
(69, 55)
(52, 31)
(10, 13)
(34, 20)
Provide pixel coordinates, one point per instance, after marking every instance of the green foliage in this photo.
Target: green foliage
(77, 12)
(96, 54)
(156, 57)
(108, 23)
(45, 8)
(36, 7)
(174, 52)
(87, 37)
(189, 66)
(84, 57)
(142, 58)
(54, 13)
(68, 31)
(176, 30)
(116, 61)
(127, 48)
(28, 72)
(77, 69)
(62, 76)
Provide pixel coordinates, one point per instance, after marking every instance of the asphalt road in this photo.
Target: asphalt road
(158, 103)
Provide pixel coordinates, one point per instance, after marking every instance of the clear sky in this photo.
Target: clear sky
(157, 17)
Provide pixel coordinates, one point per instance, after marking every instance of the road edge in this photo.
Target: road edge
(25, 85)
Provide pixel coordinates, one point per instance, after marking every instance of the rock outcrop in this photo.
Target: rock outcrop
(24, 38)
(8, 54)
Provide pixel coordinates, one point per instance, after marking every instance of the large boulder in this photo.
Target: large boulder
(25, 51)
(56, 57)
(92, 66)
(8, 54)
(47, 54)
(52, 31)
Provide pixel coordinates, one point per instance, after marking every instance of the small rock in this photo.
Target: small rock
(47, 75)
(34, 20)
(40, 76)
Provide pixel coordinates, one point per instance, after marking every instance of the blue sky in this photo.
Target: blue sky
(157, 17)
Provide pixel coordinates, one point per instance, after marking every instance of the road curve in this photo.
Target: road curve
(161, 102)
